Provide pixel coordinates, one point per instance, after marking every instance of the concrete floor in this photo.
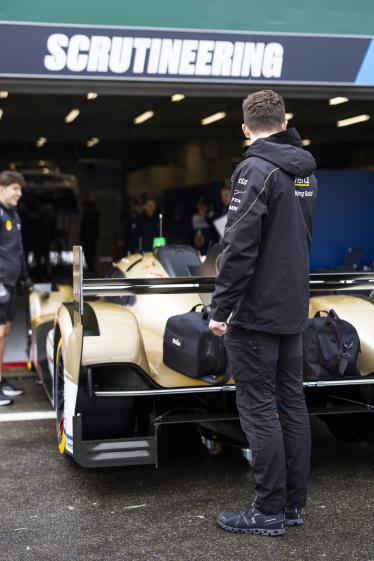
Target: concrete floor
(52, 509)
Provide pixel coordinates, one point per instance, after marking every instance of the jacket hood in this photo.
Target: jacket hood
(284, 149)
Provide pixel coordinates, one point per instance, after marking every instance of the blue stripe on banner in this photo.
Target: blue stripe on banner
(365, 76)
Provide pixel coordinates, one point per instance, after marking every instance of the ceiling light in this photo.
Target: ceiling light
(143, 117)
(92, 95)
(213, 118)
(306, 142)
(72, 115)
(338, 100)
(1, 113)
(289, 116)
(92, 141)
(177, 97)
(352, 120)
(246, 142)
(3, 94)
(41, 141)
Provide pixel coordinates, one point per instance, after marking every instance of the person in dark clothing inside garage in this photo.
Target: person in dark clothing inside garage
(260, 305)
(12, 266)
(225, 196)
(146, 225)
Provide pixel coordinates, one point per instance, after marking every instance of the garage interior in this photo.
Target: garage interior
(115, 159)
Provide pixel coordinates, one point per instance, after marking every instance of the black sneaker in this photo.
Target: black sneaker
(252, 521)
(293, 516)
(8, 390)
(5, 400)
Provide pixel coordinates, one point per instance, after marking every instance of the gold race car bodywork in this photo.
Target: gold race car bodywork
(107, 379)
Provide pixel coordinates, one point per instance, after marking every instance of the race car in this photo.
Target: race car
(102, 362)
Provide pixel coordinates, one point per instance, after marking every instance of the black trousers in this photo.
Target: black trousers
(270, 399)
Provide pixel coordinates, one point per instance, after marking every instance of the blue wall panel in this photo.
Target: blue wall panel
(344, 217)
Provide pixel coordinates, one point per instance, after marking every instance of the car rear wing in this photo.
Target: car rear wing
(189, 285)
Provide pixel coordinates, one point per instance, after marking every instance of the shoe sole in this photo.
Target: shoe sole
(6, 402)
(12, 393)
(298, 522)
(256, 531)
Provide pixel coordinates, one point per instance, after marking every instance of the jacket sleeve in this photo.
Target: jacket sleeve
(247, 210)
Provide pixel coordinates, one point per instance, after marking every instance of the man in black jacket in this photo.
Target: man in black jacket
(12, 266)
(260, 305)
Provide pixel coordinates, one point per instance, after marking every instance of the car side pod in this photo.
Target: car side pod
(112, 452)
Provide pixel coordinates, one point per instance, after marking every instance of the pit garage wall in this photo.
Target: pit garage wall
(344, 217)
(321, 16)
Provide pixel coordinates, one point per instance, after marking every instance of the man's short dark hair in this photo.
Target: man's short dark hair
(9, 177)
(263, 111)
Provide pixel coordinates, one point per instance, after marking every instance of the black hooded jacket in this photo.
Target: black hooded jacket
(12, 259)
(263, 279)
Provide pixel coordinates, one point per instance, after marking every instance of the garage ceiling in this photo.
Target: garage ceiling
(26, 117)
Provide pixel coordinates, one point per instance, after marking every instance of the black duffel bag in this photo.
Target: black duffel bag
(191, 348)
(330, 348)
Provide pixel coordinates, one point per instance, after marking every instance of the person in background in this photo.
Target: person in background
(201, 227)
(225, 194)
(12, 267)
(260, 305)
(90, 231)
(146, 226)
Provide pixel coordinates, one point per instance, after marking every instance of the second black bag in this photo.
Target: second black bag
(330, 348)
(191, 348)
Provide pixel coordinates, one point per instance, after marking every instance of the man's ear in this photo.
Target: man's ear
(284, 125)
(246, 131)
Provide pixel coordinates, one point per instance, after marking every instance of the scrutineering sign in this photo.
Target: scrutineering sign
(62, 51)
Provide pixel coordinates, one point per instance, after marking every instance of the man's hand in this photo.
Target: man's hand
(219, 328)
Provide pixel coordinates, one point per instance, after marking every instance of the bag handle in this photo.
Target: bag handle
(329, 314)
(204, 311)
(194, 308)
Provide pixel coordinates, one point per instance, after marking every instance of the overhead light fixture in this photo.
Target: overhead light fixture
(213, 118)
(92, 95)
(72, 115)
(306, 142)
(92, 141)
(1, 113)
(41, 141)
(3, 94)
(338, 100)
(246, 142)
(143, 117)
(289, 116)
(177, 97)
(352, 120)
